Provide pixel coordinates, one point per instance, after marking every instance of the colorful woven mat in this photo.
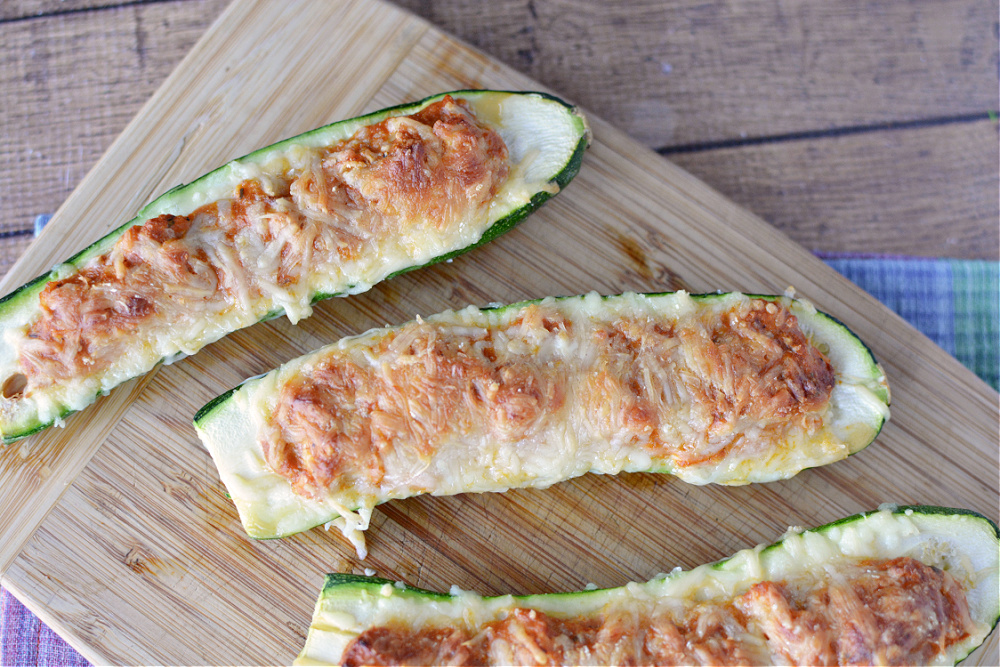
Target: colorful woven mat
(955, 303)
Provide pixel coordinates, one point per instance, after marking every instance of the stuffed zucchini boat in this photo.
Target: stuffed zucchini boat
(898, 586)
(327, 213)
(713, 388)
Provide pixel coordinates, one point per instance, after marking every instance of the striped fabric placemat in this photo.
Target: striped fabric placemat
(955, 303)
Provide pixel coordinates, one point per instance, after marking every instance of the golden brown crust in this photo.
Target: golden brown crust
(341, 422)
(424, 387)
(85, 317)
(894, 612)
(424, 171)
(752, 366)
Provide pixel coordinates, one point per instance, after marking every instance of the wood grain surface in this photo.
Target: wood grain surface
(117, 530)
(823, 118)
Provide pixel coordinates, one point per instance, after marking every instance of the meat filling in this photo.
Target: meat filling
(255, 251)
(892, 612)
(688, 392)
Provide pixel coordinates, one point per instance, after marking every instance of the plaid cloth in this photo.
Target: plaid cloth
(955, 303)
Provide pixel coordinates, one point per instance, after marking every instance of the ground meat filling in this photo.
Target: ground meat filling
(347, 421)
(894, 612)
(748, 372)
(687, 392)
(390, 181)
(85, 316)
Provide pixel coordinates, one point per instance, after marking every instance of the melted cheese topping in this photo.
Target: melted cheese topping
(325, 220)
(926, 580)
(891, 612)
(544, 392)
(724, 390)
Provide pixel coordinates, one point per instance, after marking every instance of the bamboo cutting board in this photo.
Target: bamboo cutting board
(116, 529)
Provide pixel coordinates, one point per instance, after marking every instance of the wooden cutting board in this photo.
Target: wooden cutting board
(116, 529)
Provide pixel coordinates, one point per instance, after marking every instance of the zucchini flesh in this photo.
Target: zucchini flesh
(535, 393)
(544, 139)
(962, 544)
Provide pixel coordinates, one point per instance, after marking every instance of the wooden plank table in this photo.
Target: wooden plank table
(850, 127)
(848, 131)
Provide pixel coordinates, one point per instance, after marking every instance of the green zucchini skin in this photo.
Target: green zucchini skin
(227, 427)
(15, 305)
(962, 542)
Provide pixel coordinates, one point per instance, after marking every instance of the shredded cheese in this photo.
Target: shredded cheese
(724, 389)
(302, 219)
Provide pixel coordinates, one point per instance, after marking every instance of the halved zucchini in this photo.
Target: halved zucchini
(295, 246)
(712, 388)
(885, 587)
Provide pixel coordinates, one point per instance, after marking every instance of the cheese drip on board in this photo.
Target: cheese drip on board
(725, 389)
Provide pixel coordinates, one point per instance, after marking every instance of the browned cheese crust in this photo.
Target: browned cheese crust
(430, 168)
(714, 376)
(895, 612)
